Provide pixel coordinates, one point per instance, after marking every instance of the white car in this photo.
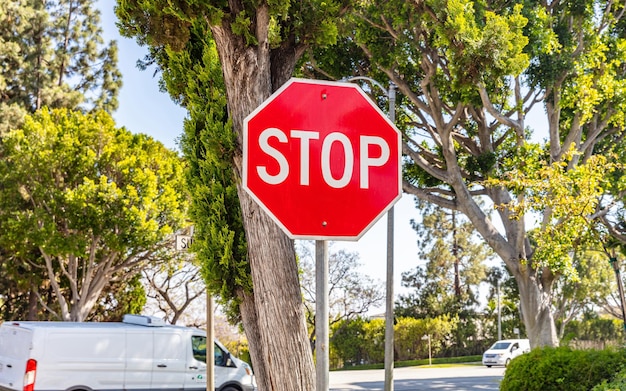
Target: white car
(502, 352)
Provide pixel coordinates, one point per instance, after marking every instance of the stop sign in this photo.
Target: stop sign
(322, 159)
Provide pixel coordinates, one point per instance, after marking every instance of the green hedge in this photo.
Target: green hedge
(415, 363)
(617, 384)
(562, 369)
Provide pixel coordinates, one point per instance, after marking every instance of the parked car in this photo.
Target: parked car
(502, 352)
(139, 353)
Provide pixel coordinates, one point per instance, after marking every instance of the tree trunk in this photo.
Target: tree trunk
(535, 286)
(275, 314)
(273, 317)
(32, 303)
(536, 308)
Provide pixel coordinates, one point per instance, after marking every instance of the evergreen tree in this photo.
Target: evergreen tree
(258, 44)
(449, 281)
(455, 266)
(53, 55)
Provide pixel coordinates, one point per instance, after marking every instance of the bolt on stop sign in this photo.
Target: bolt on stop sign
(321, 159)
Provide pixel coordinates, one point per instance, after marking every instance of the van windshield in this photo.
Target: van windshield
(501, 345)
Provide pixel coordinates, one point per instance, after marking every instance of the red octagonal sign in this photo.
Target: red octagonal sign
(322, 159)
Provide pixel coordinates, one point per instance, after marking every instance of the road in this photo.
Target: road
(423, 378)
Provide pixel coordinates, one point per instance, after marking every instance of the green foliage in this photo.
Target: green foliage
(86, 202)
(447, 285)
(53, 55)
(409, 334)
(358, 341)
(510, 318)
(618, 383)
(561, 369)
(375, 340)
(470, 73)
(194, 75)
(593, 328)
(565, 196)
(166, 24)
(125, 296)
(348, 341)
(595, 282)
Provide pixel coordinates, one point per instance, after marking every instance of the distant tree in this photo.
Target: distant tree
(455, 265)
(357, 341)
(410, 333)
(93, 203)
(351, 293)
(123, 295)
(173, 286)
(348, 341)
(594, 284)
(502, 287)
(53, 55)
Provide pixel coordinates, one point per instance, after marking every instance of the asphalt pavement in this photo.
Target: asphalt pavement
(422, 378)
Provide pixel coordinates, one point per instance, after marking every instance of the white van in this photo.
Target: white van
(502, 352)
(139, 353)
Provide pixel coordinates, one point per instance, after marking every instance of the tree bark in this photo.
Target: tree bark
(273, 316)
(536, 308)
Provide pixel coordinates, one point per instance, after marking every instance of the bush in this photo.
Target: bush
(556, 369)
(617, 384)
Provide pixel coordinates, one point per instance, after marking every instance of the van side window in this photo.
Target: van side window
(220, 357)
(198, 344)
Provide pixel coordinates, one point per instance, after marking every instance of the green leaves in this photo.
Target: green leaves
(562, 198)
(91, 198)
(91, 180)
(53, 55)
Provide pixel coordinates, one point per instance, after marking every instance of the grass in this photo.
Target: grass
(438, 362)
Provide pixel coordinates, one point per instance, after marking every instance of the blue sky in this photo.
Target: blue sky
(145, 109)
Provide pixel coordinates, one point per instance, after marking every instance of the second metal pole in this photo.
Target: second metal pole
(389, 314)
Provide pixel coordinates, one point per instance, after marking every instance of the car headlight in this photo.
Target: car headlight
(248, 369)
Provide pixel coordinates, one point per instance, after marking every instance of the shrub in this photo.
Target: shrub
(617, 384)
(561, 369)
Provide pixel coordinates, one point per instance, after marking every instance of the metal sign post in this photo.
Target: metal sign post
(321, 316)
(210, 337)
(183, 243)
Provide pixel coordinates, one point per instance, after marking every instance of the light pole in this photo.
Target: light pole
(430, 356)
(389, 315)
(620, 286)
(499, 310)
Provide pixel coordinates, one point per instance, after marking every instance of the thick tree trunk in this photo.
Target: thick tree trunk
(535, 286)
(536, 306)
(273, 317)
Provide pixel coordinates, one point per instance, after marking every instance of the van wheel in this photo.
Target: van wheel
(229, 388)
(506, 363)
(488, 366)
